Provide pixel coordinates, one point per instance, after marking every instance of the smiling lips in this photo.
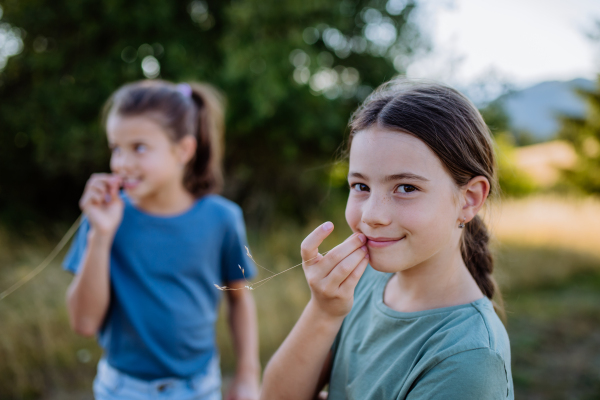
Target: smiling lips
(379, 242)
(130, 183)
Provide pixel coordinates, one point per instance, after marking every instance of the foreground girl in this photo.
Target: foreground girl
(146, 260)
(420, 324)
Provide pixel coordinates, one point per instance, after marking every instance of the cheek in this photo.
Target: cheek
(433, 222)
(353, 214)
(116, 162)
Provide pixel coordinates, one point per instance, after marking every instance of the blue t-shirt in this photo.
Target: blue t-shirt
(163, 271)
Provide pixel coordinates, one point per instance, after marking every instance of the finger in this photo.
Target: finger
(343, 250)
(99, 185)
(95, 192)
(97, 177)
(92, 200)
(96, 198)
(344, 268)
(309, 249)
(114, 184)
(109, 185)
(352, 279)
(95, 181)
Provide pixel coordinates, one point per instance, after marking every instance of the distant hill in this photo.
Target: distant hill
(534, 109)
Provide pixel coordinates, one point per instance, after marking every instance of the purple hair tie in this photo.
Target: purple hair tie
(184, 89)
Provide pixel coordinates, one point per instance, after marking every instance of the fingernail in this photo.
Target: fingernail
(327, 226)
(364, 248)
(367, 255)
(362, 237)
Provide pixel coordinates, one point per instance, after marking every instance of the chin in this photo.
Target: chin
(135, 194)
(386, 264)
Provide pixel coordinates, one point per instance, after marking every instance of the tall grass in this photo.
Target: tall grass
(548, 258)
(545, 239)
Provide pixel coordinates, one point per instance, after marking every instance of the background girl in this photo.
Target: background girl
(146, 260)
(420, 324)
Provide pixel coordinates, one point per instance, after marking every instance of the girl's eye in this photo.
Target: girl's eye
(406, 189)
(360, 187)
(140, 148)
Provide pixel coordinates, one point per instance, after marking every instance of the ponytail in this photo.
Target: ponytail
(204, 172)
(479, 261)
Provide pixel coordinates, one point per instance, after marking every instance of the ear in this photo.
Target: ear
(186, 149)
(474, 194)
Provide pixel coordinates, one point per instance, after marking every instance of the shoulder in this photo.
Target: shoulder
(475, 326)
(471, 341)
(471, 374)
(473, 363)
(470, 347)
(220, 207)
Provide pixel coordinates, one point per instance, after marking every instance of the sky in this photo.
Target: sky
(520, 42)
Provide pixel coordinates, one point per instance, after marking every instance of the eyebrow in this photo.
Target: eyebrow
(390, 178)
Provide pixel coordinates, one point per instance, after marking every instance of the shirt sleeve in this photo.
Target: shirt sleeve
(234, 251)
(469, 375)
(76, 252)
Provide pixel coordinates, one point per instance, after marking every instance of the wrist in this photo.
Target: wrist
(248, 372)
(100, 237)
(322, 318)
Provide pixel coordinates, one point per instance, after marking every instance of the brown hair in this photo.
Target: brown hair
(449, 123)
(186, 109)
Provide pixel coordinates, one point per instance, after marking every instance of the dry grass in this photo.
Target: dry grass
(559, 222)
(545, 240)
(543, 161)
(545, 246)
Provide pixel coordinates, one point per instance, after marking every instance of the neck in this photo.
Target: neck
(170, 201)
(441, 281)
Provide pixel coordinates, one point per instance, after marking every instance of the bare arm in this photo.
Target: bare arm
(244, 330)
(295, 371)
(324, 377)
(88, 296)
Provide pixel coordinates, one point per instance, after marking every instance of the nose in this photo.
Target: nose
(376, 210)
(120, 162)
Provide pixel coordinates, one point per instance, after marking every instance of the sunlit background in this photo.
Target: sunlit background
(292, 73)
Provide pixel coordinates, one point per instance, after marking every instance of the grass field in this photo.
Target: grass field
(548, 265)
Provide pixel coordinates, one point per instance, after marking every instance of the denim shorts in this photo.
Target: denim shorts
(111, 384)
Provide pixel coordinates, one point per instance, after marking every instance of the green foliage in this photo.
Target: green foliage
(513, 182)
(292, 72)
(495, 117)
(584, 134)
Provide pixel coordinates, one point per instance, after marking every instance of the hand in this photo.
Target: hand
(101, 203)
(333, 277)
(243, 389)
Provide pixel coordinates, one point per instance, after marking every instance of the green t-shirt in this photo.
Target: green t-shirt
(459, 352)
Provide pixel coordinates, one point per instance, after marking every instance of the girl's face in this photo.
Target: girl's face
(144, 156)
(402, 199)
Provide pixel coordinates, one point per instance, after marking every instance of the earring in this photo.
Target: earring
(462, 224)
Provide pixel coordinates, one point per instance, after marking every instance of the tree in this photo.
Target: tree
(584, 134)
(292, 72)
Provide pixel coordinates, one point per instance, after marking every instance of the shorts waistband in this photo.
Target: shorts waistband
(114, 378)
